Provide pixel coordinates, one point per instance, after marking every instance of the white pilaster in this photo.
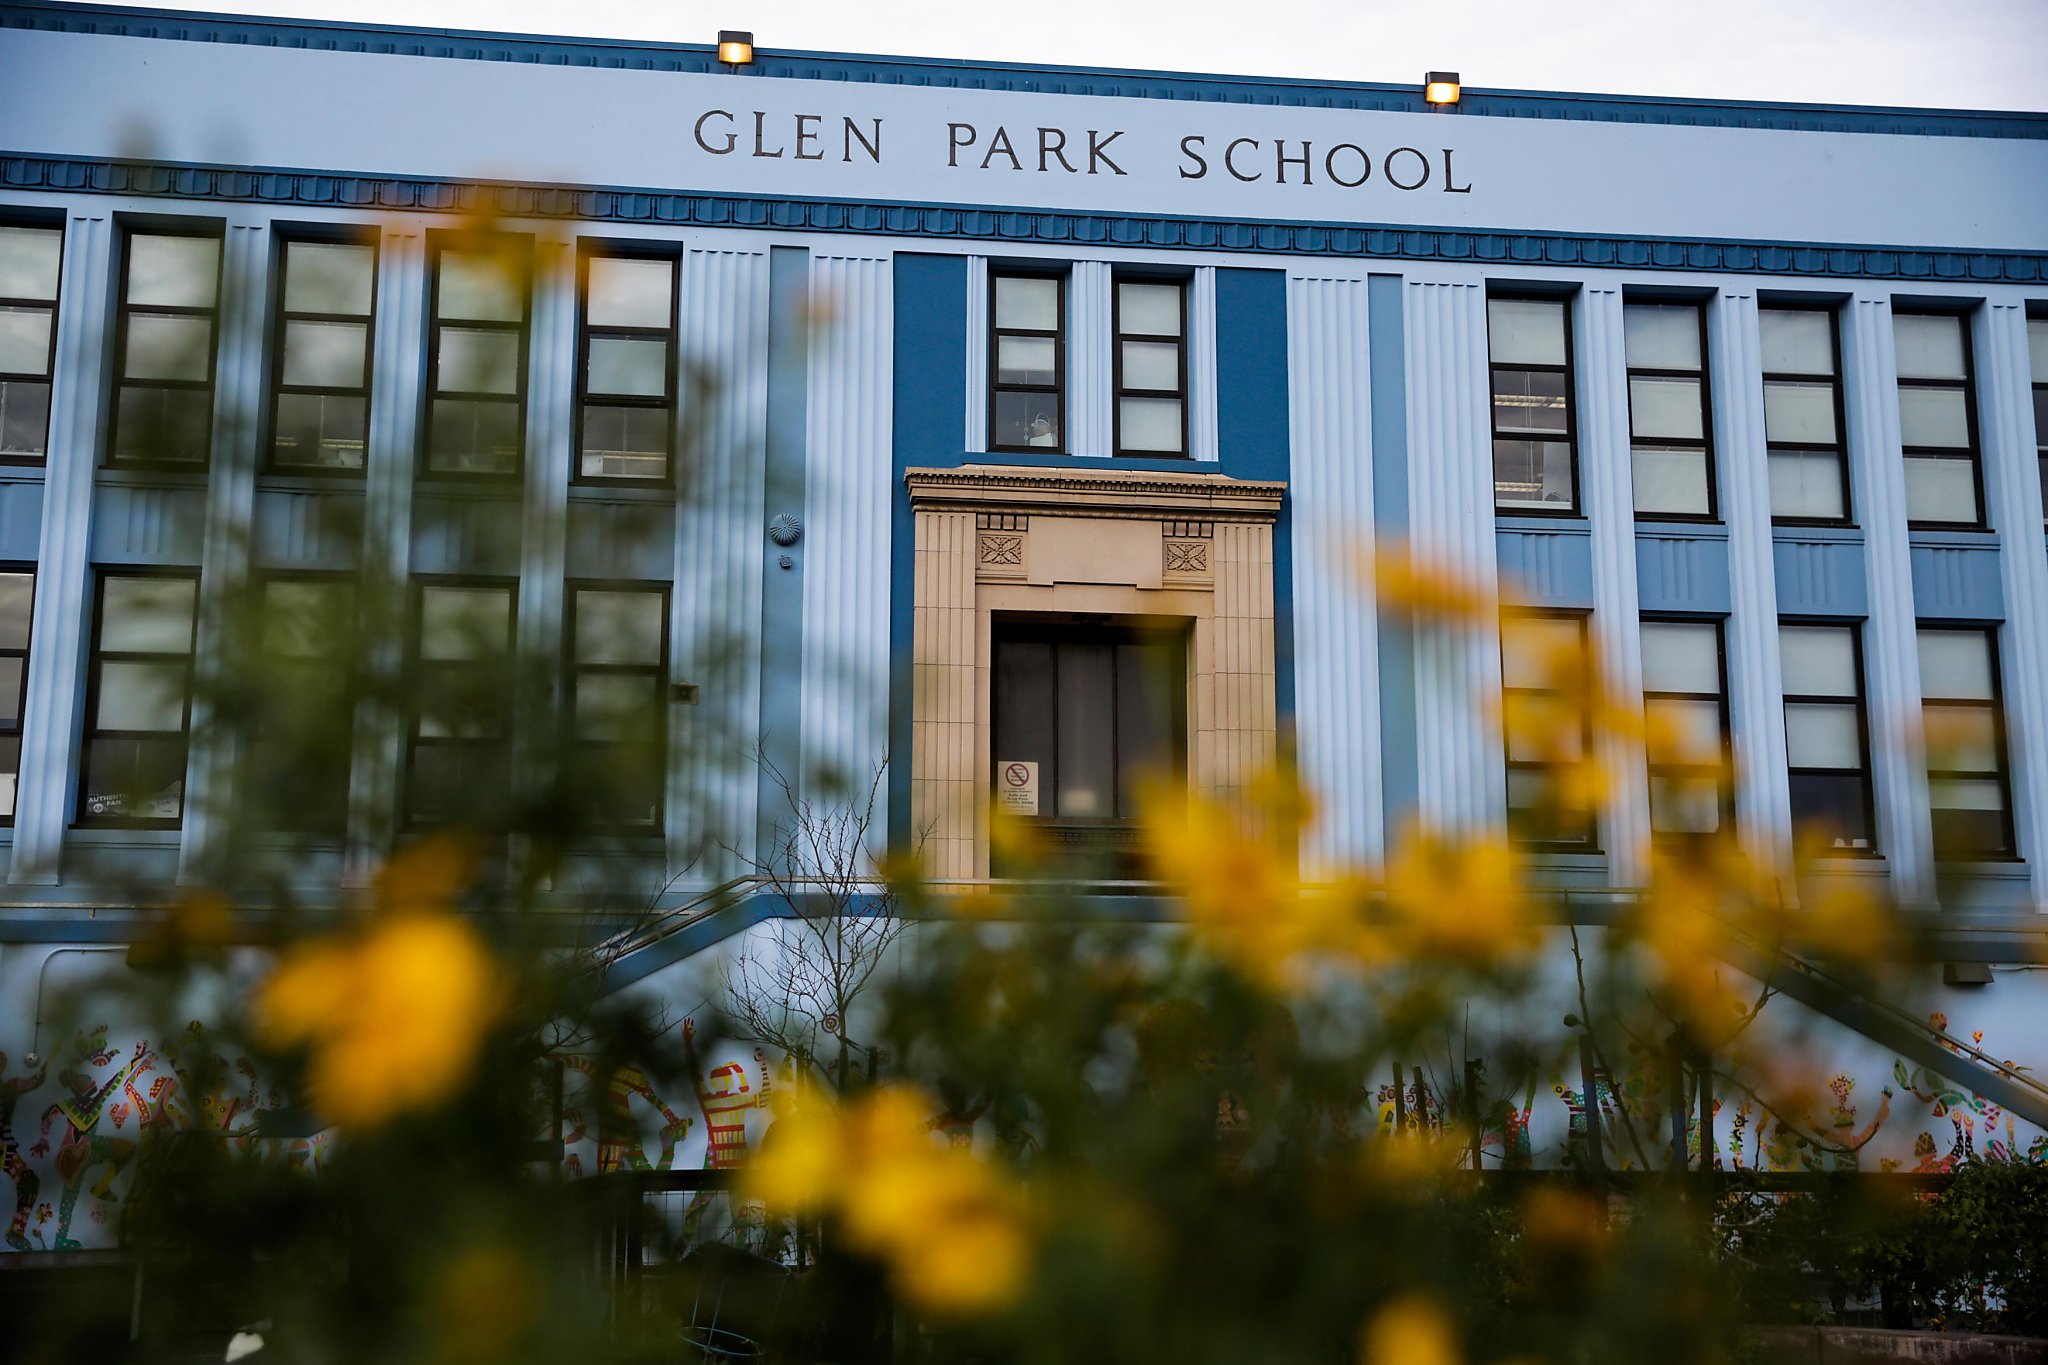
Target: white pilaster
(1608, 495)
(544, 533)
(976, 438)
(48, 775)
(2012, 487)
(397, 370)
(845, 695)
(1090, 403)
(1891, 651)
(1336, 674)
(1203, 441)
(1450, 481)
(1756, 693)
(224, 554)
(716, 604)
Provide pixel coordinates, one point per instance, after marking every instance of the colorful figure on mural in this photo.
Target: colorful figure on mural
(82, 1148)
(1506, 1130)
(17, 1170)
(619, 1147)
(725, 1097)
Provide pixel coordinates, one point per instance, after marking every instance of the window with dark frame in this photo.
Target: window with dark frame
(138, 700)
(1545, 684)
(1101, 709)
(617, 702)
(1803, 425)
(320, 393)
(2037, 353)
(17, 604)
(1968, 779)
(1671, 429)
(626, 368)
(1827, 733)
(1685, 701)
(295, 775)
(1535, 453)
(1151, 367)
(1027, 362)
(476, 372)
(457, 747)
(30, 262)
(1938, 420)
(163, 388)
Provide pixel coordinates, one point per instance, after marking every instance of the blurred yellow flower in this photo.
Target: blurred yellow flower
(1407, 582)
(955, 1236)
(1412, 1330)
(1462, 900)
(394, 1015)
(484, 1303)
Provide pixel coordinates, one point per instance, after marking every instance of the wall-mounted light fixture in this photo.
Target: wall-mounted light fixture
(737, 49)
(1441, 88)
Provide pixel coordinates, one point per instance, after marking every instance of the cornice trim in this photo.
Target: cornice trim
(1108, 493)
(332, 190)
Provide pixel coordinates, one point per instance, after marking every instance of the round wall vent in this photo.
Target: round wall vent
(785, 530)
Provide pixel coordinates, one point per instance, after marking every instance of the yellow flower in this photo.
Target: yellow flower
(394, 1015)
(1406, 582)
(1463, 901)
(1412, 1330)
(955, 1237)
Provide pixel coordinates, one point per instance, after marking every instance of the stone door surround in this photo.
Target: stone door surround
(1110, 544)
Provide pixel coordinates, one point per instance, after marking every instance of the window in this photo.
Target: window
(1803, 415)
(1670, 432)
(1685, 690)
(163, 394)
(296, 774)
(320, 403)
(1546, 681)
(1027, 362)
(477, 361)
(1151, 367)
(17, 600)
(1937, 420)
(2037, 349)
(1096, 711)
(462, 696)
(1534, 456)
(1826, 734)
(628, 359)
(29, 260)
(138, 705)
(618, 684)
(1965, 724)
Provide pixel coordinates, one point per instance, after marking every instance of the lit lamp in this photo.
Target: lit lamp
(737, 49)
(1441, 88)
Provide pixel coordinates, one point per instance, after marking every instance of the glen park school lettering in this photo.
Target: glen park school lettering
(1092, 151)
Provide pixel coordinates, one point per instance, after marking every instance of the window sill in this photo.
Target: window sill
(1681, 530)
(508, 487)
(1845, 864)
(151, 476)
(123, 836)
(16, 469)
(591, 491)
(2008, 869)
(1550, 523)
(298, 481)
(1030, 460)
(1818, 532)
(1960, 537)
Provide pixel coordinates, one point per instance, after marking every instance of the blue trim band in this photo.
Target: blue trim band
(321, 189)
(944, 73)
(782, 589)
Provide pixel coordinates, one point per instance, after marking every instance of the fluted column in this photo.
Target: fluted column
(2012, 486)
(847, 505)
(224, 553)
(1756, 692)
(975, 439)
(1090, 404)
(1202, 372)
(1336, 678)
(48, 774)
(1607, 490)
(1891, 651)
(1450, 463)
(397, 370)
(720, 534)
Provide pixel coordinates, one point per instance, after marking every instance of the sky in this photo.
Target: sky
(1980, 54)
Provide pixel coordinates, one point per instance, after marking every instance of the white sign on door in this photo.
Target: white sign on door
(1017, 788)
